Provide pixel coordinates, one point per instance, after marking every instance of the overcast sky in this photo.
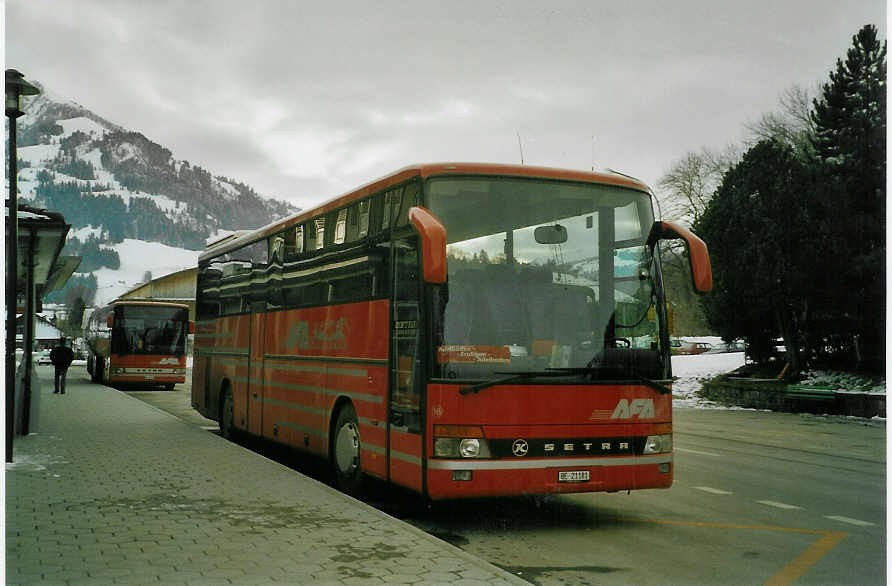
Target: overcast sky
(304, 100)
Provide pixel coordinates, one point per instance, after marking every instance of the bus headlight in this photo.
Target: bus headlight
(469, 448)
(658, 444)
(460, 441)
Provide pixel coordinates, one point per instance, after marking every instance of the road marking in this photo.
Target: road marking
(778, 505)
(850, 521)
(797, 568)
(698, 452)
(711, 490)
(802, 564)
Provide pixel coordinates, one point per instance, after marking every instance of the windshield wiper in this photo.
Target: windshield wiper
(608, 371)
(515, 376)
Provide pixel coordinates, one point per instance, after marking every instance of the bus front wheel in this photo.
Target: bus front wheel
(345, 451)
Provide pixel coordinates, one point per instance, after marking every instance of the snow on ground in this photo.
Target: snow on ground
(137, 257)
(844, 382)
(692, 370)
(81, 124)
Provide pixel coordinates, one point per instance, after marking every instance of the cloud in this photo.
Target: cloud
(303, 100)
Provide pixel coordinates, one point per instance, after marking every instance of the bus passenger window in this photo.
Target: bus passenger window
(364, 208)
(299, 239)
(320, 232)
(340, 234)
(410, 198)
(352, 231)
(309, 237)
(385, 218)
(276, 249)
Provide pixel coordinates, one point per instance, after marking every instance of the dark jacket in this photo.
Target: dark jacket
(61, 356)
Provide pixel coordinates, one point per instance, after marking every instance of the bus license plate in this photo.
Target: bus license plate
(574, 476)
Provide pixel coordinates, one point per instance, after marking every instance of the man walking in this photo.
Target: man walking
(61, 356)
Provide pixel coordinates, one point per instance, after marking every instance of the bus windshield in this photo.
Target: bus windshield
(141, 329)
(545, 275)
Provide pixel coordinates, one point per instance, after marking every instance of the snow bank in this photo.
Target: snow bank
(691, 371)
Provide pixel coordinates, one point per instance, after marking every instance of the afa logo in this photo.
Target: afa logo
(173, 361)
(625, 409)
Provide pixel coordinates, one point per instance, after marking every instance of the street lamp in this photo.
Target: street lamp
(16, 88)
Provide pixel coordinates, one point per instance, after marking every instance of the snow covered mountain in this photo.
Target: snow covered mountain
(133, 207)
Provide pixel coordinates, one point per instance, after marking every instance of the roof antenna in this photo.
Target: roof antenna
(520, 145)
(593, 153)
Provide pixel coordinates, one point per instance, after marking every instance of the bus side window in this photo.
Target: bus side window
(351, 232)
(409, 199)
(276, 249)
(365, 207)
(392, 202)
(309, 231)
(319, 227)
(340, 231)
(299, 240)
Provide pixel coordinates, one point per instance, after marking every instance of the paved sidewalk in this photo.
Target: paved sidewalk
(111, 490)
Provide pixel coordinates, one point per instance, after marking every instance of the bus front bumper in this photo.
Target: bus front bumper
(448, 479)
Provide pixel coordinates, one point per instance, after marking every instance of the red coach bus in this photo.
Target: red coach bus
(461, 330)
(138, 343)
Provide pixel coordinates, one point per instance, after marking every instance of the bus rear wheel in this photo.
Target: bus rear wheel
(227, 414)
(345, 450)
(99, 370)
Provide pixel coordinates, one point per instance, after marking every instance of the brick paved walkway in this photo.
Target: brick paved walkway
(113, 491)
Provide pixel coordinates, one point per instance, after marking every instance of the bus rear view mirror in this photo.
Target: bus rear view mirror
(701, 269)
(433, 244)
(556, 234)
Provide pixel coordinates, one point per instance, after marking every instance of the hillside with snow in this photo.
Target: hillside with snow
(133, 207)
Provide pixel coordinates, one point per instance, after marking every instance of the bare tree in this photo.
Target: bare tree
(790, 124)
(691, 181)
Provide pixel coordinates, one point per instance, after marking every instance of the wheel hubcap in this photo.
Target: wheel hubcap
(347, 448)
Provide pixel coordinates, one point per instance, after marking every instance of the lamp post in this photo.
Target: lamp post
(16, 88)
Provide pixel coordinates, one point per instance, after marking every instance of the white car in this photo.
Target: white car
(43, 357)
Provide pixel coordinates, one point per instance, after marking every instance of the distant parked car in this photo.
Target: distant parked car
(734, 346)
(681, 347)
(43, 357)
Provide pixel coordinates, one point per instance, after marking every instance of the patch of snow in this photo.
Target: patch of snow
(83, 234)
(38, 153)
(845, 382)
(227, 189)
(82, 124)
(32, 462)
(691, 371)
(137, 257)
(103, 177)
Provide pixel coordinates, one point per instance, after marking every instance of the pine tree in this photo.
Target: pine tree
(850, 150)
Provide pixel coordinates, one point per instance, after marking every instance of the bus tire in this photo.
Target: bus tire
(99, 370)
(226, 418)
(345, 451)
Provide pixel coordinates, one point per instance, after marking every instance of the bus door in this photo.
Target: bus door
(405, 425)
(255, 367)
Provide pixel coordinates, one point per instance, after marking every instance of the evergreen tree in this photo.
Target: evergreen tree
(850, 150)
(758, 229)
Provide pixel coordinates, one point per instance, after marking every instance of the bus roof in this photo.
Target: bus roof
(118, 302)
(422, 171)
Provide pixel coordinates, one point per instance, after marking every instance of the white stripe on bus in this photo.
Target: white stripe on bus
(471, 464)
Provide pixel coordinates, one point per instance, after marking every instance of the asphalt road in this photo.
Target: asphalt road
(759, 498)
